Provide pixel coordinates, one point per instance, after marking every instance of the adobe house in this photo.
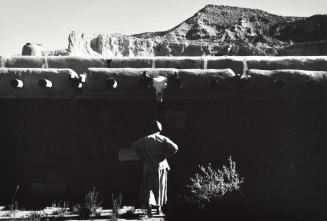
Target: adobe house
(63, 120)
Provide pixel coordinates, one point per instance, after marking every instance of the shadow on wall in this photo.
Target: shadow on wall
(59, 149)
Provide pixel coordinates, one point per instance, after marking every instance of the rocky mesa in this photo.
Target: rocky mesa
(214, 31)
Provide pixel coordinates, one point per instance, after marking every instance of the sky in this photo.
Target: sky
(50, 21)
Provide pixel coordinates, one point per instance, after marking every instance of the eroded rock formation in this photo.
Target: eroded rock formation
(214, 31)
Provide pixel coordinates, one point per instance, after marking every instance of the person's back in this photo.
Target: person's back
(154, 149)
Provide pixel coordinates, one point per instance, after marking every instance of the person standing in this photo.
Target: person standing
(154, 149)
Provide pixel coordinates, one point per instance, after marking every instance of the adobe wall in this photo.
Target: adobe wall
(81, 64)
(199, 76)
(57, 143)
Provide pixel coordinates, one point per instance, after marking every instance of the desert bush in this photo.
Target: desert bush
(36, 216)
(89, 206)
(211, 185)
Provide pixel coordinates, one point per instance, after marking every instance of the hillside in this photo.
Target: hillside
(214, 30)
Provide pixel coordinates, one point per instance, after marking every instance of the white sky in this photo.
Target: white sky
(50, 21)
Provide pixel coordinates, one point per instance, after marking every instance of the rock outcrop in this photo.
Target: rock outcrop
(214, 31)
(110, 45)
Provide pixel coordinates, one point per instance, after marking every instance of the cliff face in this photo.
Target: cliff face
(109, 45)
(214, 30)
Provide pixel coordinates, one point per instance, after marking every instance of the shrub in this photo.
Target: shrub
(89, 206)
(35, 215)
(211, 185)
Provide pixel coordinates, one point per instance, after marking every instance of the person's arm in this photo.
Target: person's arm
(137, 145)
(171, 147)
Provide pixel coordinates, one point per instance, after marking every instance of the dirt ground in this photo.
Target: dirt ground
(52, 213)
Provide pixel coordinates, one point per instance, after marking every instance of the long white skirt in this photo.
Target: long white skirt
(154, 188)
